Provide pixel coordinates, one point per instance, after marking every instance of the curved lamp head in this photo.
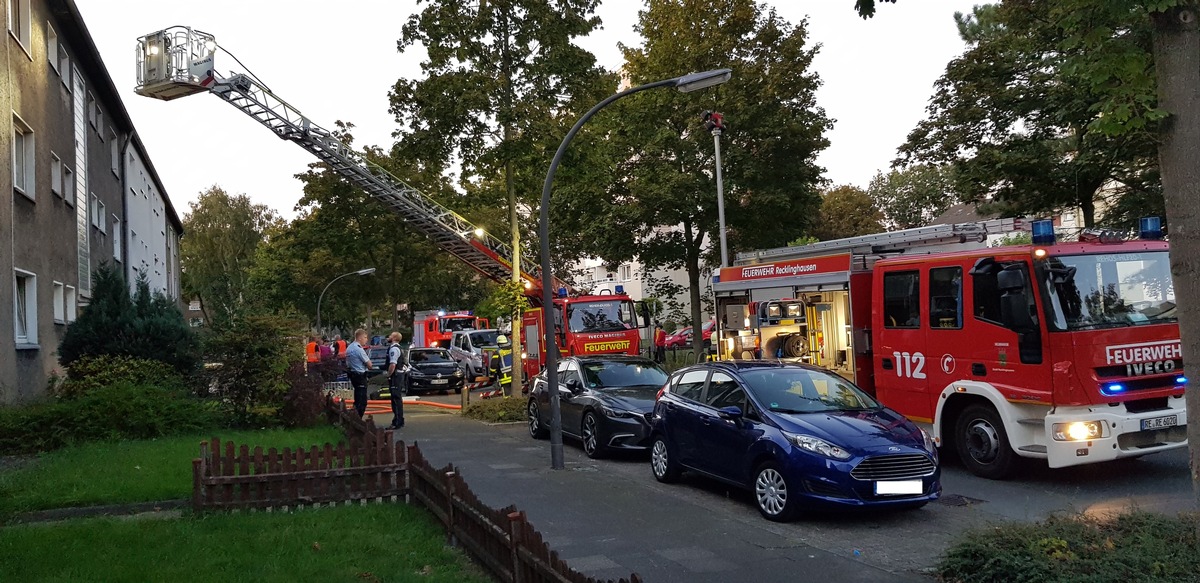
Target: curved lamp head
(367, 271)
(697, 81)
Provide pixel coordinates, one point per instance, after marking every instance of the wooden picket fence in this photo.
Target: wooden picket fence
(373, 468)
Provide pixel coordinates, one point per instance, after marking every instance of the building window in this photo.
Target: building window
(69, 303)
(25, 307)
(92, 110)
(902, 299)
(64, 67)
(194, 306)
(56, 177)
(68, 185)
(116, 238)
(52, 47)
(98, 214)
(626, 272)
(60, 303)
(23, 156)
(114, 154)
(18, 21)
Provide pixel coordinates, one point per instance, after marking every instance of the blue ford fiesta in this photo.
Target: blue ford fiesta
(799, 437)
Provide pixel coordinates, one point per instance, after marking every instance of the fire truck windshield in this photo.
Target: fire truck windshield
(456, 324)
(601, 316)
(1108, 290)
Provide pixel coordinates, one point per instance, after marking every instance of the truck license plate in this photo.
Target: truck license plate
(1160, 422)
(899, 487)
(440, 381)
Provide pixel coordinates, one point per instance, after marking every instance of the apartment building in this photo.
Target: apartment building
(79, 176)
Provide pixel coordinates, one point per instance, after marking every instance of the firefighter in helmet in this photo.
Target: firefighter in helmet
(500, 367)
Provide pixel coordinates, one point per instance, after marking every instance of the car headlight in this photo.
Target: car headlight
(818, 446)
(1078, 431)
(930, 446)
(458, 372)
(617, 413)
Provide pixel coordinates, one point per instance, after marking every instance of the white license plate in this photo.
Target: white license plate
(439, 381)
(899, 487)
(1160, 422)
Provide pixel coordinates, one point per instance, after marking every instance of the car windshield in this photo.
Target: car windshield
(456, 324)
(601, 316)
(606, 375)
(484, 338)
(801, 390)
(426, 356)
(1109, 290)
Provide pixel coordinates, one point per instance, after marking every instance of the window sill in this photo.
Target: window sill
(22, 192)
(60, 322)
(21, 44)
(27, 346)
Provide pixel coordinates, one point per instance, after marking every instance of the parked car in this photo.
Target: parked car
(682, 338)
(605, 402)
(799, 437)
(433, 369)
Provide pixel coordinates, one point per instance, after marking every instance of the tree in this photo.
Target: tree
(145, 325)
(847, 211)
(1014, 123)
(222, 234)
(499, 75)
(662, 207)
(913, 196)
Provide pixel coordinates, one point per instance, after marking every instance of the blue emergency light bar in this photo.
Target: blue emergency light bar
(562, 292)
(1112, 389)
(1150, 228)
(1181, 380)
(441, 313)
(1043, 232)
(620, 289)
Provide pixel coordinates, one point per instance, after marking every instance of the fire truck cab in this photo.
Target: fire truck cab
(1065, 352)
(606, 323)
(435, 328)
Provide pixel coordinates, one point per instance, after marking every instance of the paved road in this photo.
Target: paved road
(611, 517)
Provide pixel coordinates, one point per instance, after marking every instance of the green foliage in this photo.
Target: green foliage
(913, 196)
(120, 411)
(1020, 125)
(304, 401)
(251, 356)
(803, 240)
(1138, 546)
(1020, 238)
(508, 298)
(866, 8)
(147, 326)
(91, 373)
(497, 410)
(847, 211)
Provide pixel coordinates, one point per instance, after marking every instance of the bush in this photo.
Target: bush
(116, 412)
(146, 325)
(304, 402)
(497, 410)
(90, 373)
(1138, 546)
(252, 358)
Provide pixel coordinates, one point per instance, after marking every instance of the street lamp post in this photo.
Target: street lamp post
(685, 84)
(715, 123)
(367, 271)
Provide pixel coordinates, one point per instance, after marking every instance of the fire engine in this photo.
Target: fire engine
(433, 328)
(1067, 352)
(180, 61)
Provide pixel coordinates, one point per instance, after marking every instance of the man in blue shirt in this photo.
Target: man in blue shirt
(359, 363)
(396, 379)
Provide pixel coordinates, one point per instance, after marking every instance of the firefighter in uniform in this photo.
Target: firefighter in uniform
(500, 368)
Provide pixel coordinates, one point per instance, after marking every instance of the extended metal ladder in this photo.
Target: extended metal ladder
(177, 62)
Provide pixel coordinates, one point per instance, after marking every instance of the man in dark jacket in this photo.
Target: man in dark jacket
(397, 379)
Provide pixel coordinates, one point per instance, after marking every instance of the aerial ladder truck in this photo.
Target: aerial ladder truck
(179, 61)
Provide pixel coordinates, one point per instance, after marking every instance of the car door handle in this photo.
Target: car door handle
(670, 406)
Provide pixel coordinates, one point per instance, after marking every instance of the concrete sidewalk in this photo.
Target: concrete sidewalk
(611, 518)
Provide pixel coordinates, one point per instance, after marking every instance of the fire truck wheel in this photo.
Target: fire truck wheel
(536, 429)
(983, 444)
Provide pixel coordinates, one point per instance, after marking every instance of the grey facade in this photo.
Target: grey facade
(69, 141)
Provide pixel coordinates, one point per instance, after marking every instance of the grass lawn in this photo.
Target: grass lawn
(378, 542)
(128, 471)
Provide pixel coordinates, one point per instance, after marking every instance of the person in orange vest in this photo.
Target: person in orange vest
(313, 350)
(660, 343)
(339, 347)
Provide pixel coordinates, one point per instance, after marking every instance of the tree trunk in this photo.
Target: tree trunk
(1177, 68)
(692, 264)
(510, 185)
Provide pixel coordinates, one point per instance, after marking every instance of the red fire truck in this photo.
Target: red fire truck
(605, 323)
(1064, 352)
(433, 328)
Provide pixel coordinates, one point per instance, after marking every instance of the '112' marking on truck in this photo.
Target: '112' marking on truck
(910, 365)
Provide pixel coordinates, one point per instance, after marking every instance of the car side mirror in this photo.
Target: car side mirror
(572, 385)
(730, 413)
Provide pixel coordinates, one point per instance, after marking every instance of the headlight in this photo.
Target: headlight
(818, 446)
(930, 446)
(1078, 431)
(617, 413)
(458, 372)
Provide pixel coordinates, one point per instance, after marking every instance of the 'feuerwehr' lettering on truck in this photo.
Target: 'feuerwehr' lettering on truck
(774, 270)
(1146, 357)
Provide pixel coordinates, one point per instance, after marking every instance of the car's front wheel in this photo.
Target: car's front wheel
(536, 429)
(590, 434)
(775, 497)
(662, 461)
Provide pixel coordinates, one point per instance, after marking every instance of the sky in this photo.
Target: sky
(877, 77)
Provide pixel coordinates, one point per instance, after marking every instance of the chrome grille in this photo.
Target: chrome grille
(894, 467)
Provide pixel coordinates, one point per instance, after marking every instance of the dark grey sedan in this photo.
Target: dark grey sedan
(606, 402)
